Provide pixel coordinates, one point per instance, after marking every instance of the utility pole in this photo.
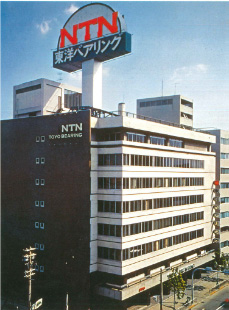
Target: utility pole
(29, 262)
(161, 282)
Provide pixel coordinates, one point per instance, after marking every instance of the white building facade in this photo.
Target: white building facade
(151, 203)
(221, 147)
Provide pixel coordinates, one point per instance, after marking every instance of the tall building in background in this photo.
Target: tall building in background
(175, 109)
(221, 147)
(107, 200)
(44, 97)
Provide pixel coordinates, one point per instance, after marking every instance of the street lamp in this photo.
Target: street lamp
(206, 269)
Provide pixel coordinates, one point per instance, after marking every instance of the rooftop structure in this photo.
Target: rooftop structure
(176, 109)
(44, 97)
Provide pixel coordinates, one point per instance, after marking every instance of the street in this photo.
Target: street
(214, 301)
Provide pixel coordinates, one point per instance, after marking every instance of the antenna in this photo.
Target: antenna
(175, 87)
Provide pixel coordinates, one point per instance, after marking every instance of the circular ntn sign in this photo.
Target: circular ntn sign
(90, 22)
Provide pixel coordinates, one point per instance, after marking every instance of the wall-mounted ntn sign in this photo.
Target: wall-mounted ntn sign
(95, 31)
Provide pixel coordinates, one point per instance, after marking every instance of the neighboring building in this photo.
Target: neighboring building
(221, 147)
(116, 197)
(43, 97)
(176, 109)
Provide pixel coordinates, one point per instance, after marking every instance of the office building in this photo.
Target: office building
(221, 147)
(44, 97)
(107, 200)
(175, 109)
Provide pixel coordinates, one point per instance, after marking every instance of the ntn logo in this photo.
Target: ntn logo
(72, 127)
(100, 21)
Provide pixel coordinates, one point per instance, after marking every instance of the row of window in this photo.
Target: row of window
(144, 104)
(39, 203)
(27, 89)
(224, 170)
(39, 225)
(39, 181)
(40, 160)
(178, 220)
(224, 155)
(224, 141)
(39, 246)
(136, 183)
(224, 244)
(224, 200)
(121, 255)
(224, 214)
(147, 204)
(136, 137)
(39, 268)
(40, 138)
(144, 160)
(224, 185)
(137, 228)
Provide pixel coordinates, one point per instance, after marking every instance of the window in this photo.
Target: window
(37, 267)
(157, 140)
(42, 247)
(42, 160)
(224, 170)
(42, 269)
(109, 253)
(135, 137)
(224, 185)
(224, 156)
(154, 103)
(193, 235)
(42, 204)
(224, 199)
(42, 138)
(42, 182)
(37, 246)
(42, 225)
(193, 217)
(186, 103)
(36, 224)
(175, 143)
(37, 160)
(37, 139)
(72, 99)
(186, 115)
(37, 181)
(109, 183)
(36, 203)
(224, 214)
(224, 141)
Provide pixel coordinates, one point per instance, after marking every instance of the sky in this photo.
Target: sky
(185, 44)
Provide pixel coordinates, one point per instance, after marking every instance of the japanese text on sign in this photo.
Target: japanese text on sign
(83, 50)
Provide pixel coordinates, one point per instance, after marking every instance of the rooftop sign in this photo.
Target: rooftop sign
(95, 31)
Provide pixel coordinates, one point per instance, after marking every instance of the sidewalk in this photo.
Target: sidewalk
(203, 289)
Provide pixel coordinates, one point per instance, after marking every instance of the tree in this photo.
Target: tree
(219, 261)
(177, 284)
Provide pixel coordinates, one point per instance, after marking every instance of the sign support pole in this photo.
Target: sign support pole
(92, 71)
